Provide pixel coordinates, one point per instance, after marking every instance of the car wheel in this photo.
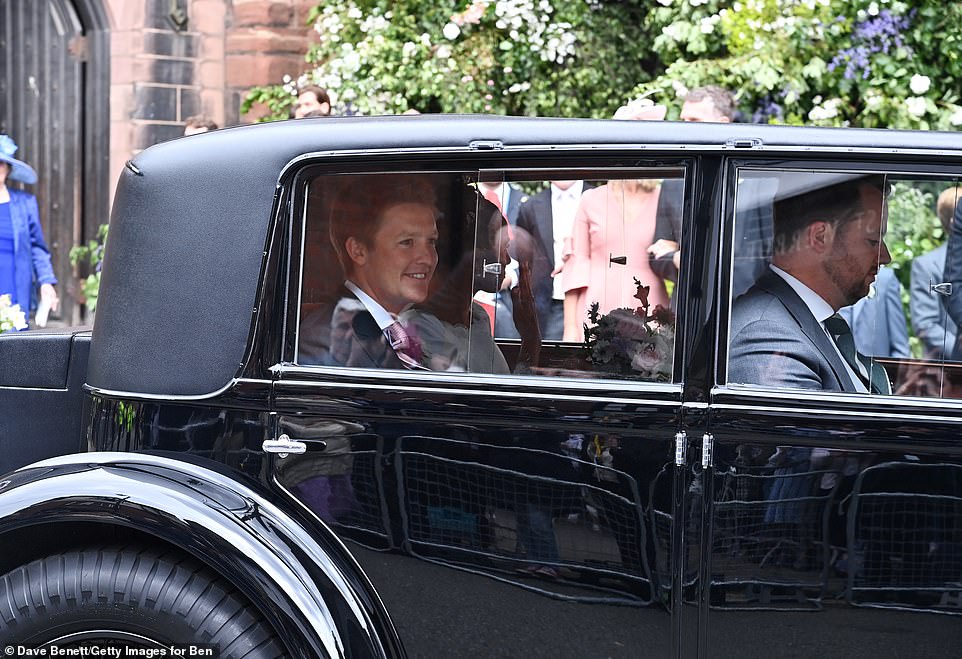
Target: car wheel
(129, 597)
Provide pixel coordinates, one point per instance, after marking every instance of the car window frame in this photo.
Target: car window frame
(856, 164)
(514, 163)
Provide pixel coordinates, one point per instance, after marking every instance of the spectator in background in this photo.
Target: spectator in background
(199, 123)
(615, 218)
(753, 222)
(929, 321)
(312, 99)
(24, 257)
(499, 305)
(549, 218)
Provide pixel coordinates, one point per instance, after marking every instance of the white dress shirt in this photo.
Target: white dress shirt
(381, 315)
(564, 207)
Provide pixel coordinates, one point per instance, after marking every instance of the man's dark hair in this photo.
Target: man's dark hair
(200, 121)
(319, 93)
(359, 206)
(316, 113)
(721, 99)
(810, 200)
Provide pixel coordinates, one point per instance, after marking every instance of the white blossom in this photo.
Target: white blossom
(444, 51)
(919, 84)
(451, 31)
(873, 9)
(915, 105)
(825, 111)
(956, 118)
(664, 3)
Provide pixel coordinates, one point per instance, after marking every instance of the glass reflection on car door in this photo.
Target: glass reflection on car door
(495, 472)
(834, 508)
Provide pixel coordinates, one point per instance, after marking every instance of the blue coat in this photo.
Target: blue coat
(30, 254)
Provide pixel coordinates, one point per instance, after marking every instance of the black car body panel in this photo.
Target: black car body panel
(306, 584)
(559, 509)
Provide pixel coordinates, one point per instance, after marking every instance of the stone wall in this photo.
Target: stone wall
(162, 72)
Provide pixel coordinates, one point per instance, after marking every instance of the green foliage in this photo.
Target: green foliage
(868, 63)
(90, 255)
(523, 57)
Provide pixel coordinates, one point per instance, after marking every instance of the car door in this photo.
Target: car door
(832, 510)
(505, 492)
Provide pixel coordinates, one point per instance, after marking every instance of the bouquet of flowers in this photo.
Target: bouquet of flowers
(632, 342)
(11, 316)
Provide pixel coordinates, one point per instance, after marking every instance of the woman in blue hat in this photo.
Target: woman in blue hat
(24, 257)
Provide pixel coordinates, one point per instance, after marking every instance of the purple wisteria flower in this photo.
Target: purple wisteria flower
(879, 34)
(766, 110)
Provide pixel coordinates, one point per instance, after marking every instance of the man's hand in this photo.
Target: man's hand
(662, 247)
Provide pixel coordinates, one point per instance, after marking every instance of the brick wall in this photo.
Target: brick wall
(160, 74)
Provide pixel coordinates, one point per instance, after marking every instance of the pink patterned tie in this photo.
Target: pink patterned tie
(402, 345)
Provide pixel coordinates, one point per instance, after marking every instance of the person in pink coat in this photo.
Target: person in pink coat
(613, 228)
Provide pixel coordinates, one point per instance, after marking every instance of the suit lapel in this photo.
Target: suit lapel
(546, 223)
(778, 287)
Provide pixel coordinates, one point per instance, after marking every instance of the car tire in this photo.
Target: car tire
(129, 597)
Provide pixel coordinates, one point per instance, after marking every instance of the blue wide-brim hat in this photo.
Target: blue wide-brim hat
(19, 170)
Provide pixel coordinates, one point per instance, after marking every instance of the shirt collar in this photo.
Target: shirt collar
(379, 313)
(815, 303)
(572, 193)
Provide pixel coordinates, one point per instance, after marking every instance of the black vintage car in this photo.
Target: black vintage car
(232, 457)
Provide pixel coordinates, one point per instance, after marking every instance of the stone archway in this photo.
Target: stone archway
(54, 100)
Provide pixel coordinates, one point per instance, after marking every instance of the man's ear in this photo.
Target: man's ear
(326, 108)
(820, 236)
(356, 250)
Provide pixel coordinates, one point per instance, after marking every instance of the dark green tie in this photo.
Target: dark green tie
(864, 367)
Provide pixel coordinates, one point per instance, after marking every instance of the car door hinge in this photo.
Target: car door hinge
(681, 448)
(707, 444)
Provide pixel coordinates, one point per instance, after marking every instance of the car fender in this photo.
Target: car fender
(319, 605)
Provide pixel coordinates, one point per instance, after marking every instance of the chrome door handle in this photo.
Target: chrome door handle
(284, 446)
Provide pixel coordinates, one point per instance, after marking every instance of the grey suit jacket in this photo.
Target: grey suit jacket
(776, 342)
(368, 349)
(930, 319)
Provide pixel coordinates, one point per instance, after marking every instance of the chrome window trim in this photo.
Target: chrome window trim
(483, 392)
(628, 146)
(791, 396)
(131, 395)
(335, 376)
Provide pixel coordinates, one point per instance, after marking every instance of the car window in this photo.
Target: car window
(554, 272)
(839, 283)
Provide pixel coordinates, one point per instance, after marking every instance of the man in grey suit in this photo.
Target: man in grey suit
(785, 331)
(929, 318)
